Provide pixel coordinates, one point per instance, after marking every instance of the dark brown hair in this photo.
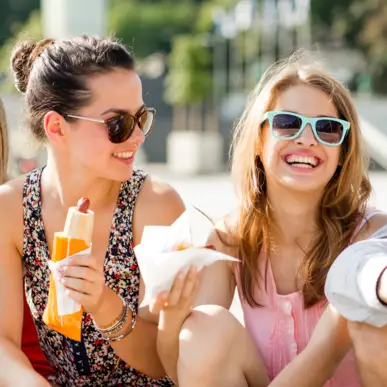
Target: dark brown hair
(53, 74)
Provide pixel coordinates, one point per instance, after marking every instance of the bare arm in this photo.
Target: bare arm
(157, 204)
(16, 370)
(217, 287)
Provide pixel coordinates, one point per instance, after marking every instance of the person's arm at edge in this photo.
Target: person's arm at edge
(16, 369)
(360, 279)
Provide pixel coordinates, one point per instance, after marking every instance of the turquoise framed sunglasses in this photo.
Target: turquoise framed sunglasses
(288, 126)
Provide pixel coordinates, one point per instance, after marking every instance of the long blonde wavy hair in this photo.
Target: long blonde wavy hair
(3, 145)
(344, 198)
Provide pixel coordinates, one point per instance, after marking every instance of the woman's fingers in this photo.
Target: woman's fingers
(81, 272)
(182, 293)
(176, 290)
(84, 260)
(77, 284)
(159, 303)
(188, 293)
(183, 290)
(80, 297)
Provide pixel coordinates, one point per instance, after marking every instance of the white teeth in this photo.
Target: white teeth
(302, 160)
(307, 166)
(123, 155)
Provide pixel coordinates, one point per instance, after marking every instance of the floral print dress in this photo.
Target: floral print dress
(91, 362)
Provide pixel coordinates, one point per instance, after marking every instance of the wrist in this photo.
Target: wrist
(109, 308)
(170, 322)
(168, 336)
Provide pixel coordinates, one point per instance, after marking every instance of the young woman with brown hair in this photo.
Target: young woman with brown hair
(85, 104)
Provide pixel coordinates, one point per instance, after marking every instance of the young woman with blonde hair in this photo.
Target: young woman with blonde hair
(301, 173)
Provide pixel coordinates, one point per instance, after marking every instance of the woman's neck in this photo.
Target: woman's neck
(294, 214)
(66, 184)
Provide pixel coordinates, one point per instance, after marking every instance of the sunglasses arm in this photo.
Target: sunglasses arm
(86, 118)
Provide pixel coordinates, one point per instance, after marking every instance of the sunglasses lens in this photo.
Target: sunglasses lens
(286, 125)
(330, 131)
(120, 128)
(146, 121)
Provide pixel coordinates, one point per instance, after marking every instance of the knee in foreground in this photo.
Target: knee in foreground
(207, 336)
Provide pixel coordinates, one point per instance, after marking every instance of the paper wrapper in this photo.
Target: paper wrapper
(63, 314)
(157, 261)
(65, 305)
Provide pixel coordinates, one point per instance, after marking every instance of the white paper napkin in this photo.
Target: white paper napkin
(65, 304)
(159, 265)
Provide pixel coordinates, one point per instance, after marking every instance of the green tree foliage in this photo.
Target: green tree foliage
(13, 14)
(372, 37)
(189, 78)
(149, 27)
(32, 29)
(361, 24)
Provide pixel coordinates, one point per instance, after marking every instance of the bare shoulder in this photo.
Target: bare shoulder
(158, 204)
(11, 212)
(11, 203)
(371, 226)
(11, 274)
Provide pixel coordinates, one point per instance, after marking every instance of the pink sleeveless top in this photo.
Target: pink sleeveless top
(282, 328)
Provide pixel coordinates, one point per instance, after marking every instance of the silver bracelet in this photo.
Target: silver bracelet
(128, 330)
(121, 336)
(118, 323)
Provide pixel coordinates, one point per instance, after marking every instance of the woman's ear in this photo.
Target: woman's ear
(53, 123)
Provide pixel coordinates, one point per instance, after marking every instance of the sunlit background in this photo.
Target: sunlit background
(198, 59)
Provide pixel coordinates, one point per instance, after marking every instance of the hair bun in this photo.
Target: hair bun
(23, 57)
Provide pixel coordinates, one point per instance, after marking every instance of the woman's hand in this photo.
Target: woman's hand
(175, 305)
(84, 281)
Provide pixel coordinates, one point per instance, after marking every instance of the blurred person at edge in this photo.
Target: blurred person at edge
(29, 342)
(301, 172)
(356, 287)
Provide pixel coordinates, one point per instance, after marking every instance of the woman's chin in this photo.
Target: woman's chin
(303, 185)
(119, 174)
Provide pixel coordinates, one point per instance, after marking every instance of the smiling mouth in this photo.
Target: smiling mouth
(302, 161)
(123, 155)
